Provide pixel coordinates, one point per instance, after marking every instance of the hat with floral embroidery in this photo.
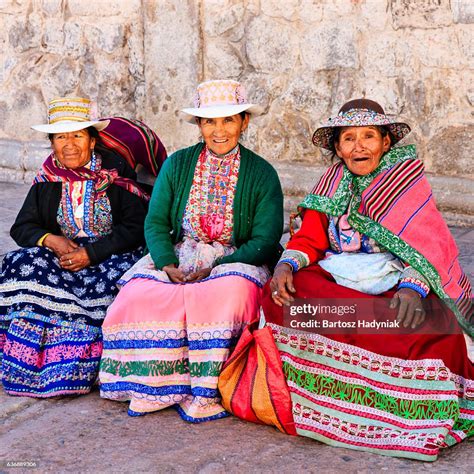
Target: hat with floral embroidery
(220, 98)
(359, 113)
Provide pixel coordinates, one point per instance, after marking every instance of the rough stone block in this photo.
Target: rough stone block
(437, 48)
(307, 96)
(62, 79)
(470, 96)
(380, 56)
(273, 47)
(463, 11)
(337, 8)
(11, 153)
(289, 9)
(300, 146)
(221, 16)
(25, 33)
(465, 37)
(383, 91)
(107, 37)
(53, 37)
(28, 106)
(329, 46)
(53, 7)
(73, 42)
(456, 158)
(7, 63)
(310, 11)
(264, 89)
(104, 8)
(35, 152)
(374, 14)
(222, 60)
(11, 6)
(11, 176)
(272, 138)
(420, 13)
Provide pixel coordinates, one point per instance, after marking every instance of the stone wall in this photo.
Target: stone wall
(300, 59)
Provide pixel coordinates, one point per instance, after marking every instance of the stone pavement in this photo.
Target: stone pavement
(88, 434)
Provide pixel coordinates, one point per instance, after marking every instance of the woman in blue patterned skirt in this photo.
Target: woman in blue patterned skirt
(80, 227)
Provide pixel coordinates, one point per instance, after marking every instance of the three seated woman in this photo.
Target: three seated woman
(370, 229)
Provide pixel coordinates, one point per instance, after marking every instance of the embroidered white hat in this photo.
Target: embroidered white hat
(220, 98)
(70, 114)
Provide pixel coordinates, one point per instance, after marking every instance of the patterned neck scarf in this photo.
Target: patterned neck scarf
(53, 171)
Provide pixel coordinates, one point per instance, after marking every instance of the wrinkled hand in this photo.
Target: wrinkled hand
(199, 275)
(59, 244)
(75, 260)
(175, 274)
(410, 308)
(282, 285)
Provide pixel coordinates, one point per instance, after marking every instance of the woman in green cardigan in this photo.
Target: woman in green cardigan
(213, 230)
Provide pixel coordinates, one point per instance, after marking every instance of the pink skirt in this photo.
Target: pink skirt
(165, 343)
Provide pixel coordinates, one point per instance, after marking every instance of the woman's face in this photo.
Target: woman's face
(73, 149)
(222, 134)
(361, 148)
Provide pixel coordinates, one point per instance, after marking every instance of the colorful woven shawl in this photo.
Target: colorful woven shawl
(135, 142)
(102, 178)
(394, 205)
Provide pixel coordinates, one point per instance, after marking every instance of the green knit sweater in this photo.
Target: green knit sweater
(258, 209)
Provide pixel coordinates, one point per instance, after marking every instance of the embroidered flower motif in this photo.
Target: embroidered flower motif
(26, 270)
(41, 262)
(67, 276)
(112, 274)
(79, 291)
(54, 279)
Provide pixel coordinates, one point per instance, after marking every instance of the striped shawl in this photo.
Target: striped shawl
(394, 205)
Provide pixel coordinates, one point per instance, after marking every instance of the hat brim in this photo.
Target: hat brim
(220, 111)
(323, 136)
(70, 126)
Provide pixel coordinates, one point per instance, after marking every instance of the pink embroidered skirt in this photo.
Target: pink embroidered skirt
(165, 343)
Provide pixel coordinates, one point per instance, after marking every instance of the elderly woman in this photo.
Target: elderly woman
(214, 224)
(81, 227)
(370, 227)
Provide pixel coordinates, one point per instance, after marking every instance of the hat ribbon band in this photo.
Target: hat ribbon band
(68, 119)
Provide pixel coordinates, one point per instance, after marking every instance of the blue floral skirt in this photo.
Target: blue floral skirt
(50, 321)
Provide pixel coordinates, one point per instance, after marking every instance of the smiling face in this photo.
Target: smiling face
(73, 149)
(222, 134)
(361, 148)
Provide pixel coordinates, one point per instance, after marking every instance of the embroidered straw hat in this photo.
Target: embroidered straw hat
(70, 114)
(220, 98)
(359, 113)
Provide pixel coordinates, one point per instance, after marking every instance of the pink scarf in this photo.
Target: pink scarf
(102, 178)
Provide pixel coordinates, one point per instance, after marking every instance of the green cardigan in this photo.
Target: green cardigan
(258, 209)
